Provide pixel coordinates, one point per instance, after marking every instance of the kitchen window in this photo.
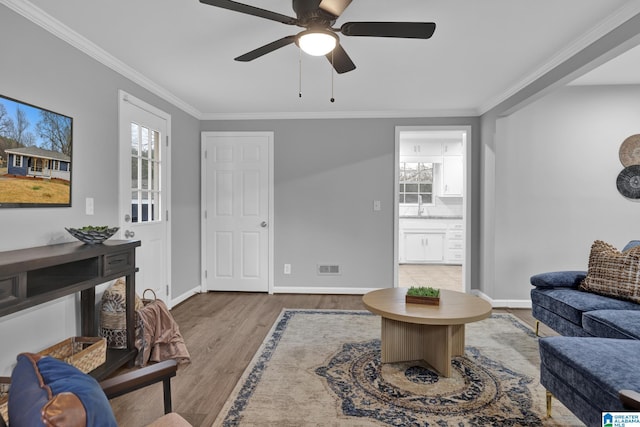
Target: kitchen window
(416, 183)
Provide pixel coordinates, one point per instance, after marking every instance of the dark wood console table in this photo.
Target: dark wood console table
(32, 276)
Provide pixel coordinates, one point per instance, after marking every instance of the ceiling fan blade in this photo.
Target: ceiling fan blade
(334, 7)
(257, 53)
(407, 30)
(340, 60)
(251, 10)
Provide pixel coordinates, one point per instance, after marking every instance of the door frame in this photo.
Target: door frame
(166, 162)
(466, 205)
(203, 192)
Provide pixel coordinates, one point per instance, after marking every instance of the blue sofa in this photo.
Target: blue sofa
(596, 355)
(557, 302)
(588, 374)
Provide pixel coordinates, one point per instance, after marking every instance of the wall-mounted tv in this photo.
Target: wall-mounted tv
(35, 156)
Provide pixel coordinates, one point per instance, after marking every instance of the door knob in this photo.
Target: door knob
(263, 224)
(129, 234)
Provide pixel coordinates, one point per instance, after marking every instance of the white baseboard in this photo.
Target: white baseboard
(321, 290)
(502, 303)
(181, 298)
(495, 303)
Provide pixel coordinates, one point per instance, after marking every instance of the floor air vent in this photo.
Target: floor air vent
(326, 269)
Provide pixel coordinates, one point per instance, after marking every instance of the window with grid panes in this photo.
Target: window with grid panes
(145, 174)
(416, 183)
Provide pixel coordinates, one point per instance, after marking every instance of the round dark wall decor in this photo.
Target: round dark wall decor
(630, 151)
(628, 182)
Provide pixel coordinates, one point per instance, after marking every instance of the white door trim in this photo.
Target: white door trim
(203, 192)
(466, 197)
(126, 97)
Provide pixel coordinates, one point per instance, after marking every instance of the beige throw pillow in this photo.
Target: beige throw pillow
(613, 273)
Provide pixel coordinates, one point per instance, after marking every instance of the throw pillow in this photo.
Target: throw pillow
(48, 391)
(28, 393)
(613, 273)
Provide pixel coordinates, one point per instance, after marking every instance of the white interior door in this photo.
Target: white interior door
(237, 211)
(144, 192)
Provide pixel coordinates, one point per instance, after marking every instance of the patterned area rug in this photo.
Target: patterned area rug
(322, 368)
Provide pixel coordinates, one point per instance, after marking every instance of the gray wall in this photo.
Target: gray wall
(40, 69)
(494, 279)
(327, 174)
(555, 183)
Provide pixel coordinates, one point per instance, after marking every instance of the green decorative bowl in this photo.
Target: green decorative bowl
(92, 235)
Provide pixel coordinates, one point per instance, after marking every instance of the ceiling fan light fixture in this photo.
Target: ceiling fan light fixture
(317, 42)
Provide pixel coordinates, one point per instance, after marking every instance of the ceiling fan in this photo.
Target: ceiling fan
(319, 37)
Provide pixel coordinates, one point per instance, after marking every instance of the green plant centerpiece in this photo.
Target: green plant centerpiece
(423, 295)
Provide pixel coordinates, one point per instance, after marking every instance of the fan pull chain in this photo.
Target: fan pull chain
(299, 73)
(332, 74)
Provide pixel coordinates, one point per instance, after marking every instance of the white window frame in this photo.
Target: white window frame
(419, 203)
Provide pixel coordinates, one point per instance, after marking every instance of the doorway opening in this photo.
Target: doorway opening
(430, 209)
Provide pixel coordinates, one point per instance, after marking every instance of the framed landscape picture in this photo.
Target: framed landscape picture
(35, 156)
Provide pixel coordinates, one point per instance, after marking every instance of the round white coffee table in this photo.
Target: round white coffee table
(434, 333)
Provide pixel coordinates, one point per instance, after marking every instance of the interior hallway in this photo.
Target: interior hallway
(434, 275)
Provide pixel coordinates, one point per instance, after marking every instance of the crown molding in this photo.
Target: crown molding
(66, 34)
(619, 17)
(340, 115)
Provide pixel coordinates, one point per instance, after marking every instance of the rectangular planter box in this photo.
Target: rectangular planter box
(422, 300)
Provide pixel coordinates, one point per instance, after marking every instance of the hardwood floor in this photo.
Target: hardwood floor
(223, 330)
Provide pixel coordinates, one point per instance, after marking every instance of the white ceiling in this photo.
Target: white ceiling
(481, 52)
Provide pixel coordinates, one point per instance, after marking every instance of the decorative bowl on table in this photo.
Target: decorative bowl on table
(92, 235)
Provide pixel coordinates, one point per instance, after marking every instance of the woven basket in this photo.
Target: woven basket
(4, 396)
(147, 301)
(85, 353)
(113, 316)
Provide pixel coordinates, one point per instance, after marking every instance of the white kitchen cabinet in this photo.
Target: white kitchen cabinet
(422, 247)
(410, 148)
(452, 173)
(454, 252)
(452, 148)
(431, 241)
